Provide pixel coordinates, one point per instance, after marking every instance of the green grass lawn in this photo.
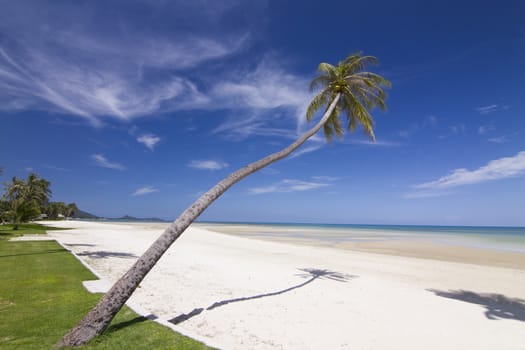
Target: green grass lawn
(41, 298)
(6, 231)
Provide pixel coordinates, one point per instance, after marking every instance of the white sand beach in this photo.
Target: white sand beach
(241, 293)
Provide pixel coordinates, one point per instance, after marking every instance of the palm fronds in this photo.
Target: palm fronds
(360, 92)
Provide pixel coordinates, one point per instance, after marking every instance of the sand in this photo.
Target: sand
(240, 293)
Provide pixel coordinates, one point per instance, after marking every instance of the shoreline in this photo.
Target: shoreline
(245, 293)
(413, 247)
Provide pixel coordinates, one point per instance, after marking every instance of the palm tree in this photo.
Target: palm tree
(13, 195)
(345, 89)
(26, 197)
(71, 210)
(37, 189)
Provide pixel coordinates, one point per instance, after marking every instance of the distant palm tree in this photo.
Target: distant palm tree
(345, 89)
(13, 195)
(37, 189)
(71, 210)
(25, 198)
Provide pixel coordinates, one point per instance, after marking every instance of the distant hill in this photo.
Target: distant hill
(133, 218)
(80, 214)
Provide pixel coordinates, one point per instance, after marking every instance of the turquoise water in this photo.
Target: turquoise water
(494, 238)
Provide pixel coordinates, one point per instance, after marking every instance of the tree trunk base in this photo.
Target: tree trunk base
(79, 335)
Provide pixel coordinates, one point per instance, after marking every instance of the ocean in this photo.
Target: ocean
(494, 238)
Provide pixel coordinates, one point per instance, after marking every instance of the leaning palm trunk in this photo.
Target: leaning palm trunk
(99, 318)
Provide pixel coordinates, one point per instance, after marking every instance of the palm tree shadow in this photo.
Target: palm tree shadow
(311, 274)
(47, 251)
(139, 319)
(106, 254)
(79, 245)
(497, 306)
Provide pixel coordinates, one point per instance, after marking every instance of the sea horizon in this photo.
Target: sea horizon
(290, 223)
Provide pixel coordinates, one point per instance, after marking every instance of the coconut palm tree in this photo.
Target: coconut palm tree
(13, 195)
(37, 189)
(26, 197)
(345, 89)
(71, 210)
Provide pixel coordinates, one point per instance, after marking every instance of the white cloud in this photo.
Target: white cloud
(270, 171)
(288, 185)
(425, 194)
(144, 190)
(458, 128)
(115, 82)
(207, 164)
(494, 170)
(326, 178)
(500, 139)
(487, 109)
(304, 150)
(253, 124)
(267, 87)
(492, 108)
(407, 133)
(259, 97)
(429, 121)
(377, 143)
(149, 140)
(483, 129)
(78, 71)
(101, 161)
(131, 69)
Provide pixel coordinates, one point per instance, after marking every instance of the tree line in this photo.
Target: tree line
(26, 200)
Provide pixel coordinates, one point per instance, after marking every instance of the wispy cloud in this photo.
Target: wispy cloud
(494, 170)
(125, 71)
(149, 140)
(144, 190)
(270, 171)
(262, 96)
(92, 90)
(376, 143)
(120, 83)
(491, 108)
(326, 178)
(425, 194)
(305, 150)
(207, 164)
(135, 69)
(101, 161)
(289, 185)
(500, 139)
(428, 121)
(267, 87)
(458, 128)
(487, 109)
(484, 129)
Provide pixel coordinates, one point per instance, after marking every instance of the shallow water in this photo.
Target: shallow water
(510, 239)
(493, 238)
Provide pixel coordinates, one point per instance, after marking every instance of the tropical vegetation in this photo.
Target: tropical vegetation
(26, 200)
(345, 89)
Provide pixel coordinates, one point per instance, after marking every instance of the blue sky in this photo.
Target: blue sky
(137, 107)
